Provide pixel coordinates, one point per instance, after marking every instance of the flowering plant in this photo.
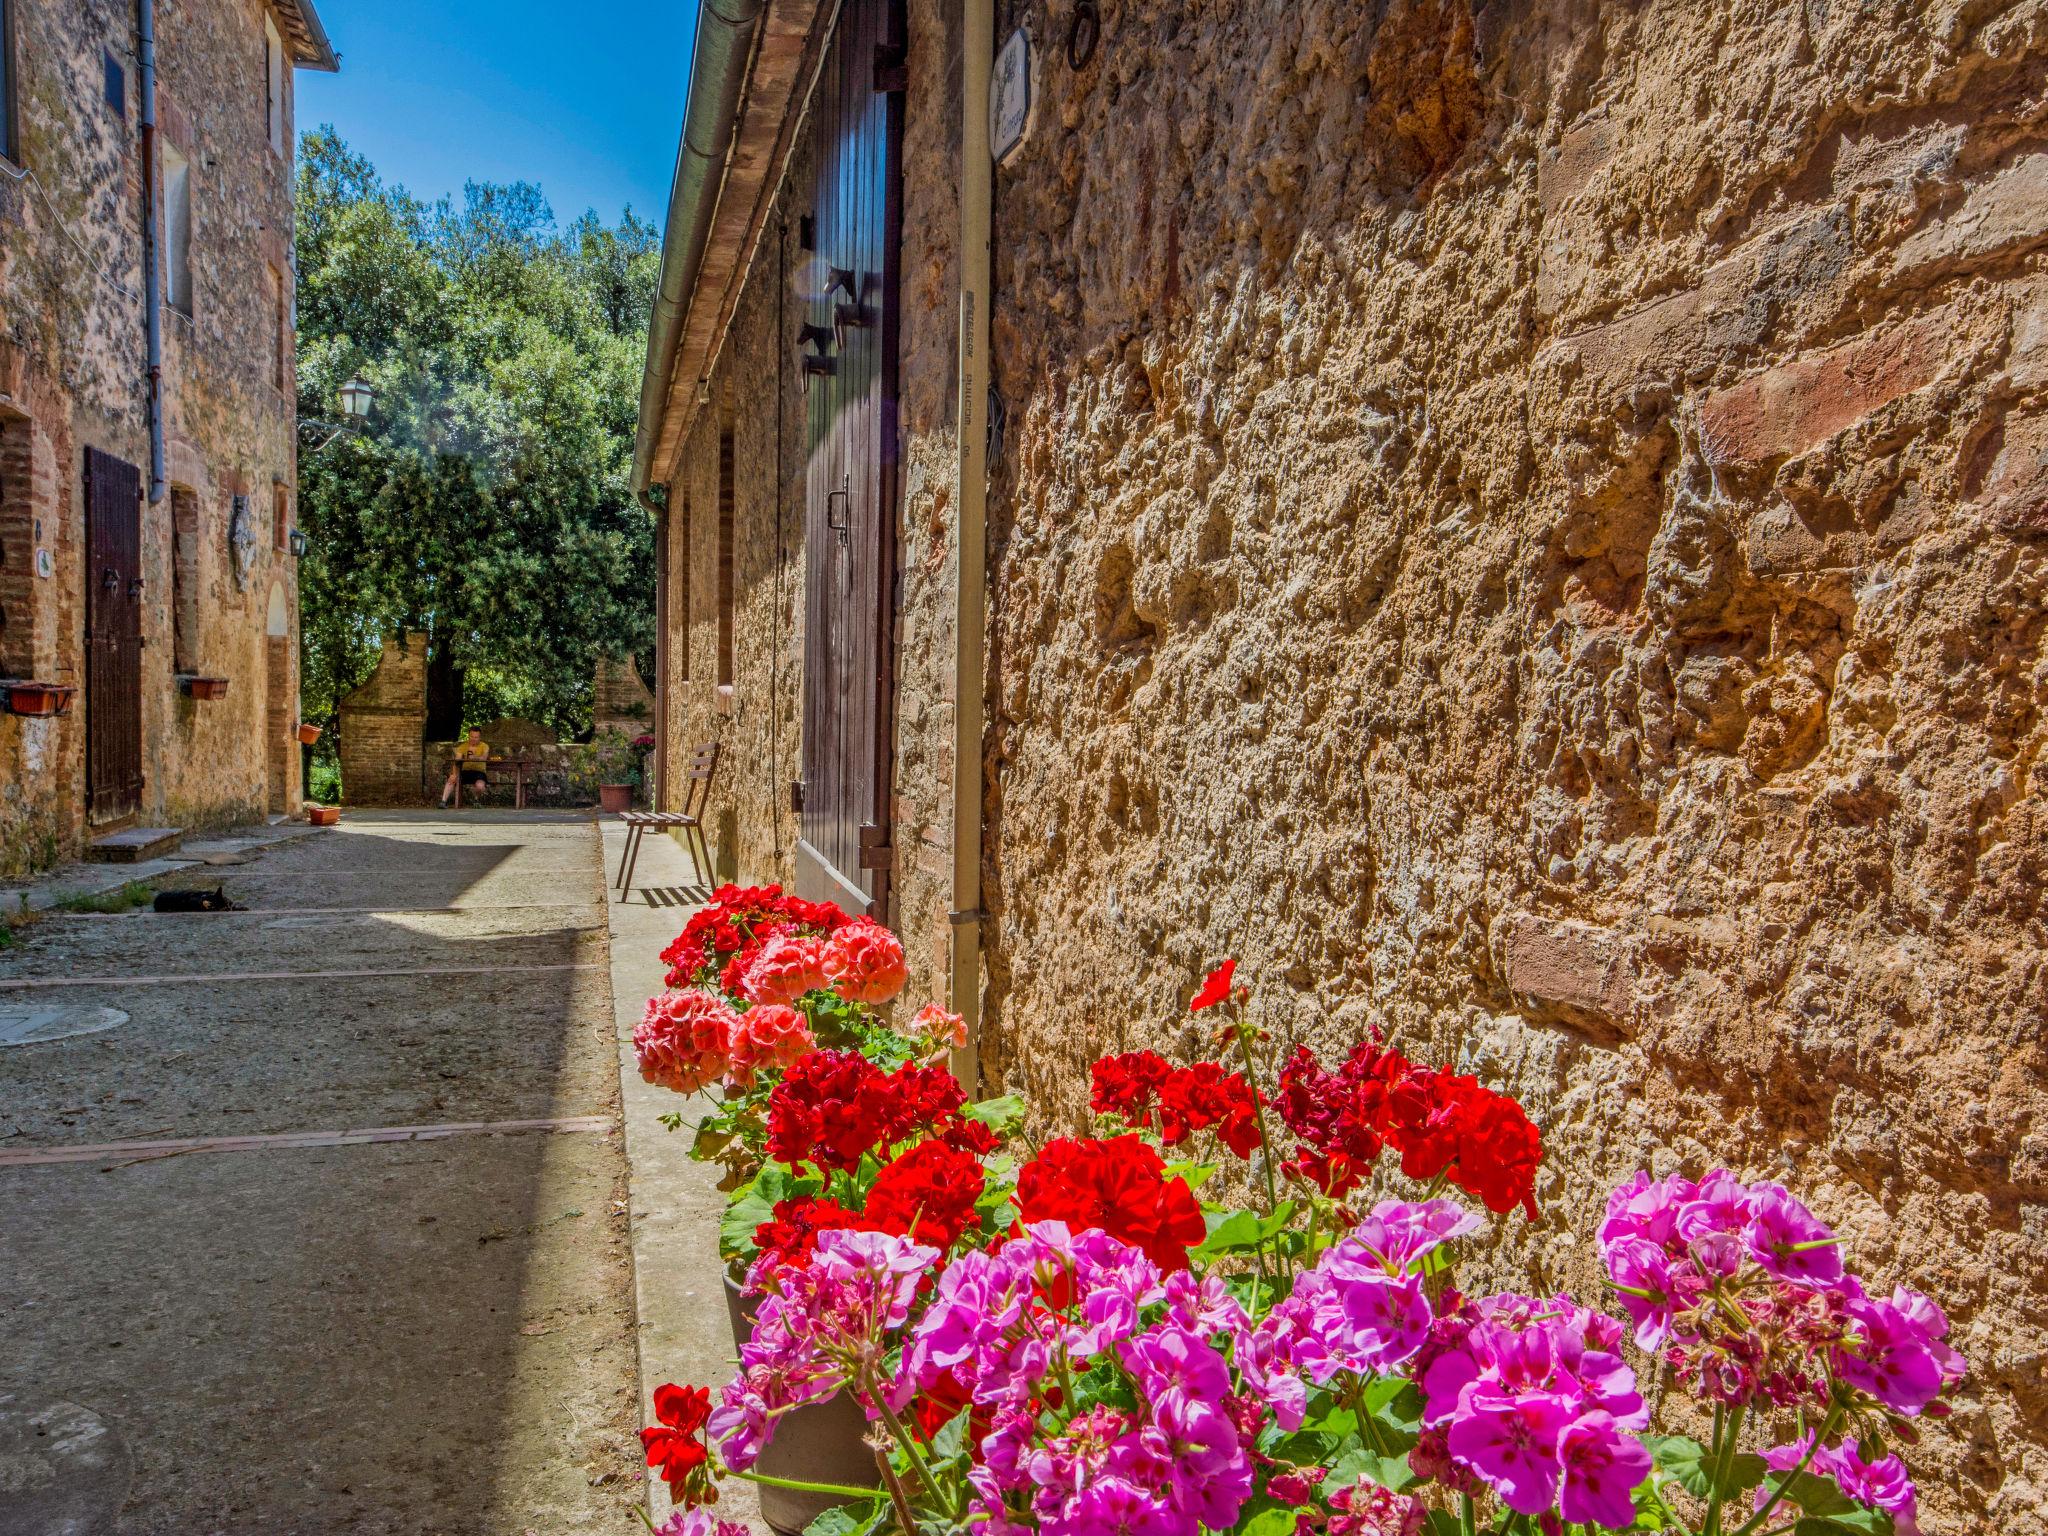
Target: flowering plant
(757, 981)
(1098, 1353)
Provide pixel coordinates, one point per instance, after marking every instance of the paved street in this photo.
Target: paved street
(409, 1331)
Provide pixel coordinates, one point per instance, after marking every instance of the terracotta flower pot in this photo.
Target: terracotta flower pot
(323, 815)
(824, 1443)
(309, 734)
(205, 687)
(37, 699)
(614, 798)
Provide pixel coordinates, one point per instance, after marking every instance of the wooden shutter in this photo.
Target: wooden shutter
(844, 852)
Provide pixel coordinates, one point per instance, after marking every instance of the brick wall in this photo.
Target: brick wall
(383, 728)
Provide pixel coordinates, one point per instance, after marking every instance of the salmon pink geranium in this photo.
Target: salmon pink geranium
(684, 1039)
(864, 962)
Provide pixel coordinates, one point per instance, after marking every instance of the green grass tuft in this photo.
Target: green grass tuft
(121, 899)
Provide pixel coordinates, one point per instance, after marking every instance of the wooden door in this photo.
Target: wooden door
(849, 311)
(113, 637)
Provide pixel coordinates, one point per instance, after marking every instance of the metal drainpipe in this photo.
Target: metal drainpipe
(152, 280)
(970, 618)
(659, 512)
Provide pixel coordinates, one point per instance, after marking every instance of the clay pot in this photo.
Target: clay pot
(205, 687)
(37, 698)
(824, 1443)
(323, 815)
(614, 798)
(309, 734)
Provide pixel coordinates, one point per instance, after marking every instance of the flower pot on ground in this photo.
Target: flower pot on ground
(37, 699)
(823, 1443)
(308, 734)
(323, 815)
(614, 798)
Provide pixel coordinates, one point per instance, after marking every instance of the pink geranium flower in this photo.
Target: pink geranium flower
(684, 1039)
(787, 967)
(1512, 1443)
(768, 1036)
(1602, 1468)
(864, 962)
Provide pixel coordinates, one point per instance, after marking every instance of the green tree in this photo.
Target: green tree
(486, 501)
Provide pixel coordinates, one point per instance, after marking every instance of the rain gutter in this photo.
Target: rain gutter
(152, 279)
(970, 563)
(718, 70)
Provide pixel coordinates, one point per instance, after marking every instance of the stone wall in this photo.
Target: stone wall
(619, 699)
(383, 729)
(71, 315)
(1522, 523)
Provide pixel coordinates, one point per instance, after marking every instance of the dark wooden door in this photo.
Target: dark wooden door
(849, 309)
(113, 636)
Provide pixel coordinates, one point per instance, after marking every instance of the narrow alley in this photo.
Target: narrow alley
(400, 1298)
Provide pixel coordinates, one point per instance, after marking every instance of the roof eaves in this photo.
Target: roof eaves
(309, 44)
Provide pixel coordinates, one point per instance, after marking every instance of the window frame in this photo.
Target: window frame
(177, 231)
(10, 123)
(274, 75)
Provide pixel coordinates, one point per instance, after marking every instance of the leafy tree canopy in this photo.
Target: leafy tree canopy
(486, 501)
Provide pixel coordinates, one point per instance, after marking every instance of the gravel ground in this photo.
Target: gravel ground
(391, 1338)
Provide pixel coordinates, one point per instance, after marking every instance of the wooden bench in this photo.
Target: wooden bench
(696, 799)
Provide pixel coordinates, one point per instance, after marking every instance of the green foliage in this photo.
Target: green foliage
(486, 501)
(1687, 1463)
(121, 899)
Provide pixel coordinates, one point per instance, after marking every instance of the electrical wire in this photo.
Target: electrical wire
(29, 176)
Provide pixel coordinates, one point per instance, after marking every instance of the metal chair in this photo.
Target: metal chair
(696, 800)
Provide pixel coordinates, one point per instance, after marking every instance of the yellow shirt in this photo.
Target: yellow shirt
(472, 751)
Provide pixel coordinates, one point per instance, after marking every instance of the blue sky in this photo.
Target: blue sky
(586, 98)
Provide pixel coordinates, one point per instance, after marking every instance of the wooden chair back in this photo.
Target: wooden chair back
(703, 769)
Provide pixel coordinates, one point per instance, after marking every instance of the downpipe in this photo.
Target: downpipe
(152, 279)
(970, 558)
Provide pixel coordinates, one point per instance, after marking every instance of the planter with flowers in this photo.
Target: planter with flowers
(1073, 1340)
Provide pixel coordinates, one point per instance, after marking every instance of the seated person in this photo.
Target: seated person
(470, 760)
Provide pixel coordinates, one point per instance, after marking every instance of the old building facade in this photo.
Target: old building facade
(145, 527)
(1525, 524)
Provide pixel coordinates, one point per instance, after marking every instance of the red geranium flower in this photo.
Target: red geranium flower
(927, 1194)
(1118, 1185)
(1128, 1085)
(792, 1235)
(1204, 1096)
(1215, 987)
(673, 1444)
(826, 1110)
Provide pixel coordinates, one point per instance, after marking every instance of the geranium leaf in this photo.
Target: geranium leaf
(1234, 1232)
(1001, 1115)
(846, 1519)
(1279, 1521)
(1371, 1467)
(1853, 1522)
(951, 1438)
(1815, 1495)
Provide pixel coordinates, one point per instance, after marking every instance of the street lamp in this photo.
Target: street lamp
(356, 396)
(355, 399)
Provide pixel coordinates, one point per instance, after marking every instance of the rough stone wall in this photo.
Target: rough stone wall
(71, 286)
(383, 729)
(1524, 523)
(618, 697)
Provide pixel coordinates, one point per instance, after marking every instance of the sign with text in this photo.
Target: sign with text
(1012, 101)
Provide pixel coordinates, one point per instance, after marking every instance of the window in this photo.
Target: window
(679, 587)
(273, 84)
(725, 552)
(177, 227)
(184, 580)
(117, 86)
(280, 515)
(280, 326)
(7, 145)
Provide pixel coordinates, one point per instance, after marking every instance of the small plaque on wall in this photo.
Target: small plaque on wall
(1012, 97)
